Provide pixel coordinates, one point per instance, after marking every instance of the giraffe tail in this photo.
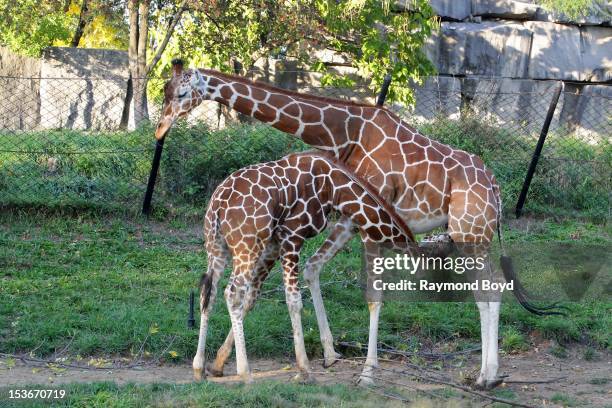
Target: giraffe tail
(205, 289)
(520, 293)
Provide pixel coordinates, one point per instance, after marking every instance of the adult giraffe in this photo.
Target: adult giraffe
(429, 184)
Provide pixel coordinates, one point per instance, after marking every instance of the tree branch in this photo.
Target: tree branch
(160, 50)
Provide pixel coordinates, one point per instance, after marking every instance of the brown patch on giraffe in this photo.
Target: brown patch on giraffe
(372, 214)
(310, 114)
(279, 100)
(241, 89)
(413, 154)
(442, 148)
(481, 177)
(417, 173)
(214, 82)
(316, 135)
(369, 112)
(354, 127)
(470, 174)
(258, 94)
(244, 105)
(374, 233)
(421, 140)
(226, 92)
(265, 113)
(433, 155)
(292, 109)
(436, 174)
(289, 124)
(375, 139)
(388, 125)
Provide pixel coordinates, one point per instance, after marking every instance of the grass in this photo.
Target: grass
(266, 394)
(108, 286)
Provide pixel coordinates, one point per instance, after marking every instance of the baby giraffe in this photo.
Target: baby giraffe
(265, 212)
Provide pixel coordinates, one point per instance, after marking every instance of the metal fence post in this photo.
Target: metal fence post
(380, 101)
(146, 204)
(538, 150)
(191, 318)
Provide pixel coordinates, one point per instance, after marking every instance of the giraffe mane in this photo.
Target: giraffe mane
(287, 92)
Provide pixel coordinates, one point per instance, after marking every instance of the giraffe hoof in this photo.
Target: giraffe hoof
(247, 378)
(365, 380)
(199, 374)
(482, 384)
(214, 371)
(304, 377)
(330, 361)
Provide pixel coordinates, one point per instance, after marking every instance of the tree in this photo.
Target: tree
(139, 14)
(29, 26)
(375, 37)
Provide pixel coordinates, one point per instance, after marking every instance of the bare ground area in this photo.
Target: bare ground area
(534, 378)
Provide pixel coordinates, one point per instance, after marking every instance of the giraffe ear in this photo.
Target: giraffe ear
(177, 67)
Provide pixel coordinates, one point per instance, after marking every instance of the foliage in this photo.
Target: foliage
(371, 35)
(381, 40)
(30, 26)
(572, 178)
(572, 8)
(198, 159)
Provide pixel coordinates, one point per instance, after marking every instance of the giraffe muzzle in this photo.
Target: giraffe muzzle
(162, 129)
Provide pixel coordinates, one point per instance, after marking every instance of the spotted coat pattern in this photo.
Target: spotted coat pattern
(429, 184)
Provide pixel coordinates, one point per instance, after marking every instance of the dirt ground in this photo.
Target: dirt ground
(569, 381)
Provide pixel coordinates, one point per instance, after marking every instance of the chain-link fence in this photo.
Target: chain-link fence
(75, 141)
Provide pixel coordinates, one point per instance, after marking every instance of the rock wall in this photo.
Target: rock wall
(510, 56)
(82, 88)
(19, 91)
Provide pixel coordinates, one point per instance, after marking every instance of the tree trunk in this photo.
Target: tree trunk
(138, 11)
(139, 30)
(83, 20)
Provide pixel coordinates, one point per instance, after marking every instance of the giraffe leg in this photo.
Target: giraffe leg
(217, 259)
(264, 265)
(339, 236)
(374, 306)
(489, 326)
(235, 303)
(236, 295)
(483, 310)
(289, 261)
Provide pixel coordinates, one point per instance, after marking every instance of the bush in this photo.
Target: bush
(572, 177)
(198, 159)
(65, 167)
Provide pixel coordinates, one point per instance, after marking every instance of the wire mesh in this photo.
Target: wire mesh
(79, 141)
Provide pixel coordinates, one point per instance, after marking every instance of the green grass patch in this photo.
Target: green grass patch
(564, 400)
(111, 286)
(265, 394)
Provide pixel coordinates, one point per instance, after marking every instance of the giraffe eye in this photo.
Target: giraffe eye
(182, 95)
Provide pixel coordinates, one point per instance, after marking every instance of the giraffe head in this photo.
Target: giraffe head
(182, 93)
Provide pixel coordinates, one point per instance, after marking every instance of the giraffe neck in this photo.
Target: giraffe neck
(319, 122)
(367, 210)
